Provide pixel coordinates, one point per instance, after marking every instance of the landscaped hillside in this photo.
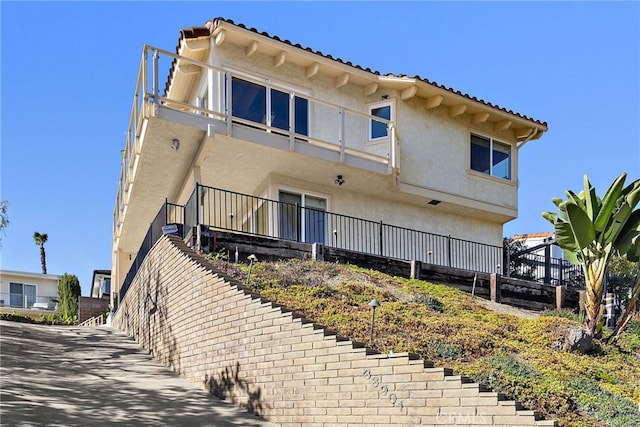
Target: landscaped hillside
(518, 354)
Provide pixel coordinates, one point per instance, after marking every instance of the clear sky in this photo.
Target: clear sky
(69, 70)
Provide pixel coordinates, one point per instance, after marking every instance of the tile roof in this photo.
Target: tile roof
(210, 26)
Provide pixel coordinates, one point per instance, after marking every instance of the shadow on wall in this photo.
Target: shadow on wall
(229, 386)
(153, 332)
(166, 348)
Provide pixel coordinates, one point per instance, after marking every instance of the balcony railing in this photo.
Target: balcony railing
(246, 214)
(293, 115)
(27, 301)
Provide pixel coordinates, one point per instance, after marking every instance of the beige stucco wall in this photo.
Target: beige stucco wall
(434, 147)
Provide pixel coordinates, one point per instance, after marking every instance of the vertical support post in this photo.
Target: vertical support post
(197, 207)
(582, 301)
(392, 150)
(506, 268)
(560, 296)
(317, 252)
(229, 102)
(547, 264)
(341, 135)
(495, 285)
(210, 103)
(292, 122)
(156, 90)
(416, 269)
(449, 250)
(381, 246)
(145, 74)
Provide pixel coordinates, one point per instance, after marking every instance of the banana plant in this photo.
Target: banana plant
(590, 230)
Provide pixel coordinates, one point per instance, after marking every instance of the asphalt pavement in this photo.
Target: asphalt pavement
(97, 376)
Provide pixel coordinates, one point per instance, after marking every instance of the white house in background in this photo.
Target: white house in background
(31, 291)
(101, 284)
(548, 259)
(246, 113)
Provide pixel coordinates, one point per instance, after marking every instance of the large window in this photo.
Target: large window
(259, 104)
(302, 217)
(490, 157)
(379, 129)
(21, 295)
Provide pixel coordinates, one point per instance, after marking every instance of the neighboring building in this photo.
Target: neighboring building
(28, 291)
(253, 134)
(101, 284)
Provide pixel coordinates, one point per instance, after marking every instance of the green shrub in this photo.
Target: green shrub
(566, 314)
(602, 404)
(429, 301)
(442, 350)
(13, 317)
(68, 293)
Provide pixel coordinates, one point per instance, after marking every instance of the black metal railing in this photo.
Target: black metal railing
(544, 268)
(241, 213)
(169, 214)
(226, 210)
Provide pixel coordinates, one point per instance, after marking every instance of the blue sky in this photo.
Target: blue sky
(69, 70)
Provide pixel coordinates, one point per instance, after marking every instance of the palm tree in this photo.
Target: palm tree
(41, 239)
(590, 230)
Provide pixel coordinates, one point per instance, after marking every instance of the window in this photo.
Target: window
(490, 157)
(202, 102)
(302, 217)
(379, 129)
(21, 295)
(256, 103)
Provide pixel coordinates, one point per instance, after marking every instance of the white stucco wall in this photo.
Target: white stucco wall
(46, 285)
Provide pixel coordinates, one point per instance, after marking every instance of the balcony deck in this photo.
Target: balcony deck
(219, 143)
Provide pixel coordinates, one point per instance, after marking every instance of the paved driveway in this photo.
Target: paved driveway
(71, 376)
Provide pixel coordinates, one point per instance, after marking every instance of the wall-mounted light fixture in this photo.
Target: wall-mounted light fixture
(175, 144)
(339, 180)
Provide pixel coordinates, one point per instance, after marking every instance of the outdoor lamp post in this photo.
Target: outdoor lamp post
(374, 303)
(252, 258)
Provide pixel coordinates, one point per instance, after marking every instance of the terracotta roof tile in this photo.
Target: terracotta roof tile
(210, 26)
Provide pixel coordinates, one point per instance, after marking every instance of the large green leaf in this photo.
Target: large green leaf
(576, 199)
(618, 220)
(591, 200)
(609, 203)
(565, 237)
(632, 193)
(581, 226)
(628, 241)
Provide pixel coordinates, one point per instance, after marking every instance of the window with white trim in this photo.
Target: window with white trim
(22, 295)
(490, 157)
(379, 129)
(302, 217)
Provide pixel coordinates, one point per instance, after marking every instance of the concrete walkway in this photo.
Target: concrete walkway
(95, 376)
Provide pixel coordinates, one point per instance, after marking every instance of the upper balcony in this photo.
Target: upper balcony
(207, 102)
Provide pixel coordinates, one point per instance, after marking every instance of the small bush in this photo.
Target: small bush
(566, 314)
(604, 405)
(430, 302)
(13, 317)
(442, 350)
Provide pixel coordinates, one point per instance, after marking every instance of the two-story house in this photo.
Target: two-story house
(250, 133)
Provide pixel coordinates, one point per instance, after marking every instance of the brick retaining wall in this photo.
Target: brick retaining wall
(89, 307)
(258, 355)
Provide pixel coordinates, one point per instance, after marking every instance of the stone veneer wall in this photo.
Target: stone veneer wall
(258, 355)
